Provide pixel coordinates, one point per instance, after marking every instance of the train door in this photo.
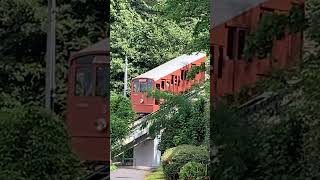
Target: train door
(87, 116)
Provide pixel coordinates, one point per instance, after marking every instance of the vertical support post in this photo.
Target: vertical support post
(125, 77)
(50, 56)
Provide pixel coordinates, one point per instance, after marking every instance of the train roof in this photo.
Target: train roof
(224, 10)
(171, 66)
(102, 45)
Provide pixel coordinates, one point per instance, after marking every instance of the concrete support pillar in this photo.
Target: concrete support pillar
(147, 153)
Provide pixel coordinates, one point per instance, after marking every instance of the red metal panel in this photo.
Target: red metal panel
(83, 114)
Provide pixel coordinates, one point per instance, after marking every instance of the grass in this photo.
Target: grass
(155, 175)
(113, 167)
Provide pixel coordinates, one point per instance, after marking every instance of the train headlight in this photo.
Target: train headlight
(141, 101)
(100, 124)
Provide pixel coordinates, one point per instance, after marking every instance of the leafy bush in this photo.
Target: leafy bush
(182, 120)
(175, 158)
(34, 145)
(193, 171)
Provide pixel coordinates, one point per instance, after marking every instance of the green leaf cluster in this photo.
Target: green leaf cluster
(272, 27)
(193, 171)
(34, 145)
(176, 158)
(193, 71)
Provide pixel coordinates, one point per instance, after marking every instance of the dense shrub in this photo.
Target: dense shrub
(193, 171)
(175, 158)
(34, 145)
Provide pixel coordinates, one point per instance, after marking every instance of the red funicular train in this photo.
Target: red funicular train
(87, 103)
(170, 76)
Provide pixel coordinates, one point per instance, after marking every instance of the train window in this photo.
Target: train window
(101, 81)
(230, 43)
(172, 79)
(136, 86)
(185, 75)
(241, 42)
(84, 82)
(145, 86)
(162, 84)
(158, 86)
(182, 75)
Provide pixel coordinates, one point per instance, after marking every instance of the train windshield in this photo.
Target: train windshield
(101, 81)
(84, 83)
(91, 77)
(142, 85)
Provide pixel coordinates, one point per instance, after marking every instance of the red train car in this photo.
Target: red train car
(170, 76)
(232, 21)
(88, 104)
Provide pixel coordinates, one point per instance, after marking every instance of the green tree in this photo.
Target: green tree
(23, 44)
(142, 34)
(121, 115)
(190, 13)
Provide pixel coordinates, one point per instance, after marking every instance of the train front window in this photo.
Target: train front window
(84, 83)
(101, 81)
(145, 86)
(136, 86)
(142, 85)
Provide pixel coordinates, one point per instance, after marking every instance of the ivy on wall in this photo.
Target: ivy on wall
(273, 27)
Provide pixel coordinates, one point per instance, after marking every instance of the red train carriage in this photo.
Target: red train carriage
(170, 76)
(87, 103)
(231, 24)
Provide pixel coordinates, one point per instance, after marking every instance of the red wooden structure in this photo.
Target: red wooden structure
(170, 76)
(232, 20)
(88, 103)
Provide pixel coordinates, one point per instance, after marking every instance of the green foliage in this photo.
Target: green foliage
(23, 44)
(155, 175)
(34, 145)
(122, 116)
(296, 19)
(175, 158)
(313, 14)
(272, 27)
(113, 167)
(193, 171)
(182, 119)
(260, 150)
(189, 12)
(193, 71)
(145, 37)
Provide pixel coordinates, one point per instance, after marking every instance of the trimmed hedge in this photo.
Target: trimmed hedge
(175, 158)
(34, 145)
(193, 171)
